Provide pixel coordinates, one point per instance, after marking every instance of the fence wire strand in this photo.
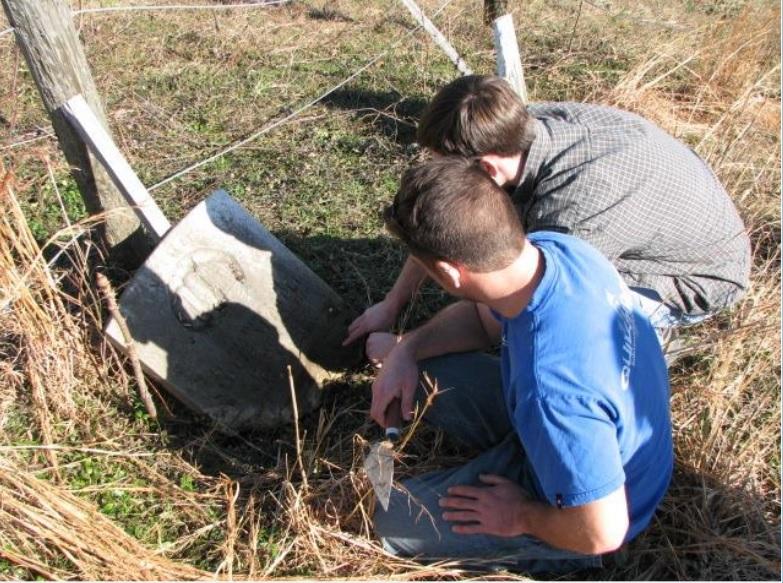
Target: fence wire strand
(270, 126)
(150, 8)
(26, 142)
(295, 113)
(170, 7)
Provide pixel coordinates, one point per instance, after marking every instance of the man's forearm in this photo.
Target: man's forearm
(456, 328)
(408, 282)
(574, 529)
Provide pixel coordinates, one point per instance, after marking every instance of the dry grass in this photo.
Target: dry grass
(42, 524)
(91, 487)
(719, 91)
(320, 524)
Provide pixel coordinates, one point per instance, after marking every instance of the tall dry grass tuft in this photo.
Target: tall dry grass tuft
(44, 528)
(55, 535)
(280, 524)
(36, 326)
(711, 86)
(718, 90)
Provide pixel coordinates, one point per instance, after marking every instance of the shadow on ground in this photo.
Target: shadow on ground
(359, 270)
(329, 14)
(387, 112)
(700, 532)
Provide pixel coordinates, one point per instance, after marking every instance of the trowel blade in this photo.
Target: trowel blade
(379, 465)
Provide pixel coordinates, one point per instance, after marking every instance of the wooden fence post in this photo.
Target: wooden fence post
(509, 64)
(47, 37)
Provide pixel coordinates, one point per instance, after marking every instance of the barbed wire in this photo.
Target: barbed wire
(295, 113)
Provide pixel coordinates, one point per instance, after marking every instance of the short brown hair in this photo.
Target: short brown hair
(450, 209)
(476, 115)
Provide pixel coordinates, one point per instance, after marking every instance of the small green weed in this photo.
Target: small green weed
(46, 211)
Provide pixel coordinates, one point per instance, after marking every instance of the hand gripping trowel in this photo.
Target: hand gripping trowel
(379, 463)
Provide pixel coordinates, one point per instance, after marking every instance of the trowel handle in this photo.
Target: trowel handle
(393, 420)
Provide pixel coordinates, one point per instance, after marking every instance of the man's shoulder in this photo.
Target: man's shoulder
(585, 114)
(589, 147)
(586, 296)
(566, 248)
(573, 292)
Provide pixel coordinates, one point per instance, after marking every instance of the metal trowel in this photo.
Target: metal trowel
(379, 463)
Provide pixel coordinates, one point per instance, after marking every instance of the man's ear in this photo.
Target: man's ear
(489, 166)
(449, 272)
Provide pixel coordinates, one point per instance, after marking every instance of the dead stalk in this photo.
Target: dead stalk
(295, 407)
(130, 345)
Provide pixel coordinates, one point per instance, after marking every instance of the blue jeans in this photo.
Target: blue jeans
(662, 316)
(471, 408)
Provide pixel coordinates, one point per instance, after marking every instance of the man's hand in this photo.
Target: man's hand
(398, 378)
(496, 509)
(380, 316)
(379, 345)
(502, 508)
(456, 328)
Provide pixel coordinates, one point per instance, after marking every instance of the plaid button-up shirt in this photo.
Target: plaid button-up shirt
(646, 200)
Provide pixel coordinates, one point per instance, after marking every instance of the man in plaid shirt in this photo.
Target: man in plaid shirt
(610, 177)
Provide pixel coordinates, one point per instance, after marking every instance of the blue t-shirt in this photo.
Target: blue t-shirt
(586, 384)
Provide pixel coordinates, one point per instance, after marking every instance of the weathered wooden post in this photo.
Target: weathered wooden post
(46, 35)
(509, 65)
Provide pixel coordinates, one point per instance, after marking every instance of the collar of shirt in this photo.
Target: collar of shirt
(536, 156)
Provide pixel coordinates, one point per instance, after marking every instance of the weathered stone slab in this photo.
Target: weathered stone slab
(221, 308)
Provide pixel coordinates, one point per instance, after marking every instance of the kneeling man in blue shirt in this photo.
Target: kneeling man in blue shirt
(572, 421)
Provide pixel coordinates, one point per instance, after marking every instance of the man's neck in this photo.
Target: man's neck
(509, 290)
(512, 169)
